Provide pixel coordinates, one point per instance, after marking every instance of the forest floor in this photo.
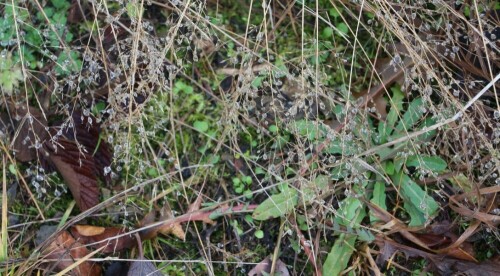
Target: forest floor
(220, 137)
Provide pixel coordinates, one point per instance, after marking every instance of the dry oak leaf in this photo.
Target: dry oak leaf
(65, 251)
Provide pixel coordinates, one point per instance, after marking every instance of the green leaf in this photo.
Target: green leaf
(342, 28)
(201, 126)
(417, 218)
(334, 12)
(259, 234)
(337, 146)
(351, 212)
(432, 163)
(338, 258)
(257, 82)
(385, 128)
(277, 205)
(429, 134)
(411, 116)
(273, 129)
(327, 32)
(388, 167)
(152, 172)
(462, 182)
(309, 192)
(413, 193)
(60, 4)
(365, 235)
(134, 9)
(378, 199)
(13, 169)
(309, 129)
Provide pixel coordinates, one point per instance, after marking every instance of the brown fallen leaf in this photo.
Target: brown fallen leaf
(264, 268)
(65, 246)
(170, 229)
(143, 267)
(448, 266)
(456, 249)
(78, 172)
(81, 157)
(106, 238)
(195, 206)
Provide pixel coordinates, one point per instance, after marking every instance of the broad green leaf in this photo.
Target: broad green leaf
(388, 167)
(429, 134)
(417, 218)
(378, 198)
(365, 235)
(432, 163)
(411, 116)
(351, 212)
(277, 205)
(413, 193)
(339, 256)
(398, 163)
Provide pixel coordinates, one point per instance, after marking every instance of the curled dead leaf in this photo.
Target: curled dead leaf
(89, 230)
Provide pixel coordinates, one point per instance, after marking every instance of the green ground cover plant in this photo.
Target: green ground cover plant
(287, 137)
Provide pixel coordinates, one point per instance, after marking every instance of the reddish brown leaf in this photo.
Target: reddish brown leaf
(86, 132)
(78, 171)
(66, 247)
(195, 206)
(432, 240)
(81, 157)
(106, 237)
